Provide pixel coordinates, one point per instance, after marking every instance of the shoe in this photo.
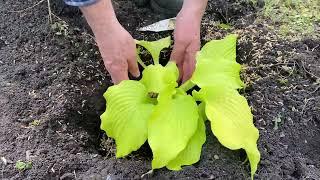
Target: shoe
(167, 7)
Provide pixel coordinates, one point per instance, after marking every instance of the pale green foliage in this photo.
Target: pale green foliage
(191, 154)
(128, 111)
(231, 120)
(157, 78)
(224, 49)
(172, 124)
(155, 47)
(216, 64)
(155, 109)
(229, 112)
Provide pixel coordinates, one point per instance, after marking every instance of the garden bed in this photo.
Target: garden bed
(52, 80)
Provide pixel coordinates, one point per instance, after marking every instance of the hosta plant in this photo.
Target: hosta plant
(157, 110)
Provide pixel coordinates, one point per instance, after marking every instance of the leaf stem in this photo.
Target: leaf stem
(141, 62)
(155, 61)
(186, 86)
(138, 57)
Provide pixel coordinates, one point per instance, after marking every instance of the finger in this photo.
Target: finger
(118, 76)
(133, 65)
(180, 68)
(188, 66)
(177, 56)
(190, 60)
(118, 71)
(178, 53)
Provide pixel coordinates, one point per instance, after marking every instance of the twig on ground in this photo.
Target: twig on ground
(49, 12)
(315, 90)
(28, 8)
(315, 47)
(149, 173)
(57, 17)
(308, 72)
(33, 6)
(267, 66)
(305, 105)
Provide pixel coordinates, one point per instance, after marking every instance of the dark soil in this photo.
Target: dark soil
(52, 80)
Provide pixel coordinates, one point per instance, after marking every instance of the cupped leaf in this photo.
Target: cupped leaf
(125, 119)
(172, 124)
(191, 154)
(216, 64)
(220, 49)
(157, 78)
(231, 120)
(210, 72)
(155, 47)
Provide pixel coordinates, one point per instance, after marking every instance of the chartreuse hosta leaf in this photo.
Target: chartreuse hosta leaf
(202, 111)
(216, 64)
(231, 120)
(220, 49)
(157, 78)
(191, 154)
(171, 121)
(155, 47)
(172, 124)
(128, 111)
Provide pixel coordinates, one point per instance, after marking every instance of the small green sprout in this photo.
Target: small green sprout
(277, 121)
(224, 26)
(35, 123)
(22, 166)
(283, 81)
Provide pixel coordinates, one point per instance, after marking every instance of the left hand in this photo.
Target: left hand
(187, 43)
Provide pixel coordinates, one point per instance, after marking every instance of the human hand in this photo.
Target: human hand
(187, 43)
(118, 50)
(116, 45)
(187, 36)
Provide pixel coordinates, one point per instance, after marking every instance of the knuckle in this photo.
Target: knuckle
(193, 47)
(179, 40)
(115, 65)
(132, 61)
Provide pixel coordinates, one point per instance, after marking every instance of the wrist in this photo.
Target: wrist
(194, 8)
(100, 16)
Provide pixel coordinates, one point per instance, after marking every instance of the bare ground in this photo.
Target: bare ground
(52, 80)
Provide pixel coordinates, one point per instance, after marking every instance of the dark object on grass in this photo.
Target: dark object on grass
(166, 7)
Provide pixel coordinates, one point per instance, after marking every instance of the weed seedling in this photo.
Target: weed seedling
(22, 166)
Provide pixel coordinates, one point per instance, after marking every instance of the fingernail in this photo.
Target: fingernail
(136, 74)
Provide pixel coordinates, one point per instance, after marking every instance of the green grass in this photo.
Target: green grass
(293, 18)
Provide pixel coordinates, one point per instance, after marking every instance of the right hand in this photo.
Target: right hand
(118, 50)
